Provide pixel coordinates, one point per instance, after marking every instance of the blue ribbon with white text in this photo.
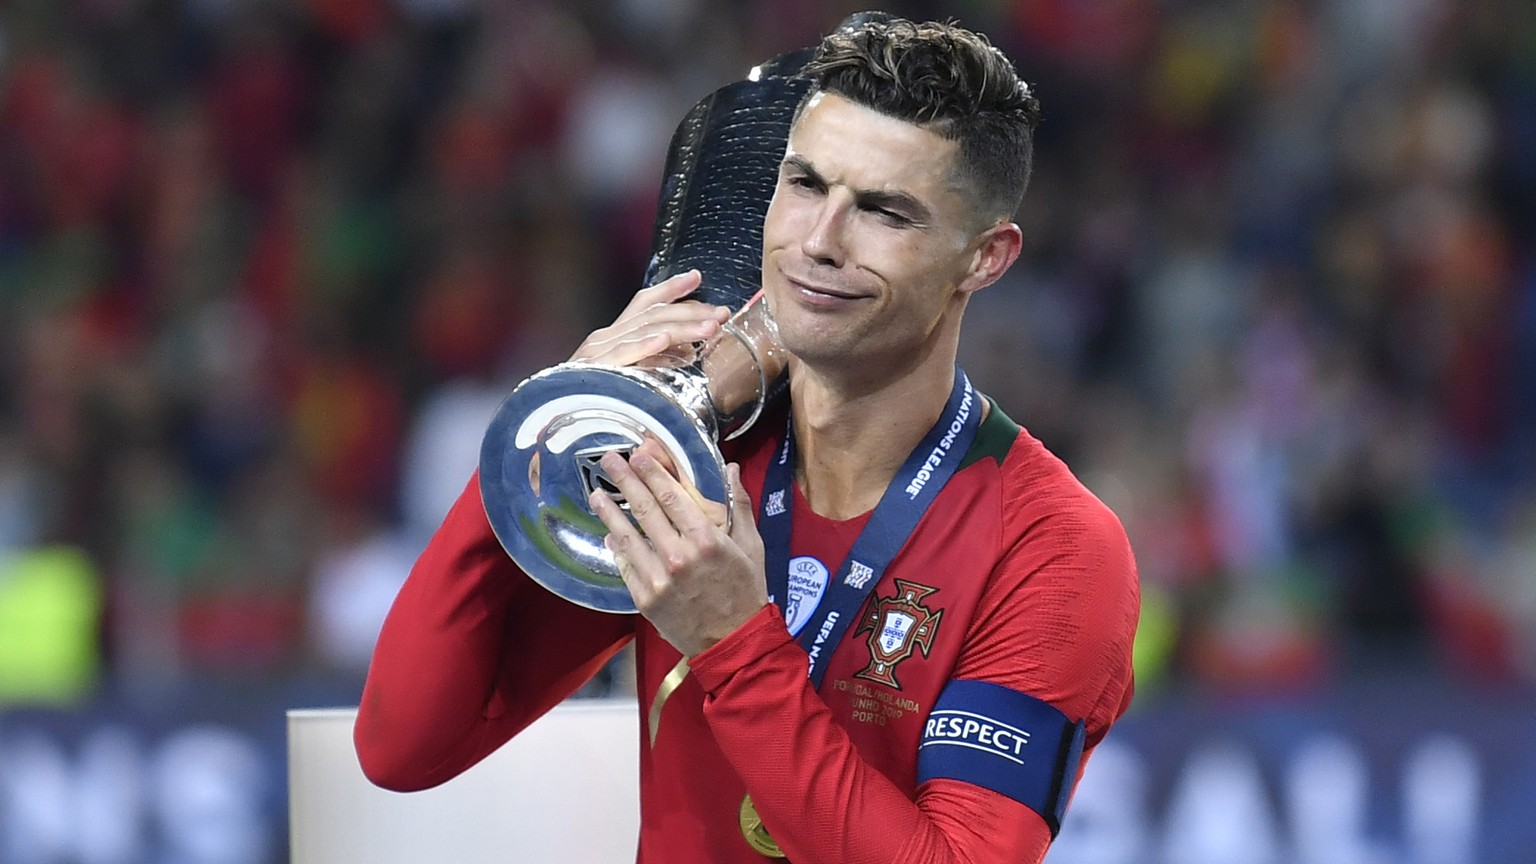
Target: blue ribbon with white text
(911, 492)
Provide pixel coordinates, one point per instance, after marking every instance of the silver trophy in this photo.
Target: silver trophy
(539, 458)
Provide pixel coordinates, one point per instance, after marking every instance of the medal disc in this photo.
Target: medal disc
(754, 833)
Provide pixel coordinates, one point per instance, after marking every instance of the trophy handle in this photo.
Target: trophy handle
(741, 368)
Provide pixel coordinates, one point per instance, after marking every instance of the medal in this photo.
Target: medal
(754, 833)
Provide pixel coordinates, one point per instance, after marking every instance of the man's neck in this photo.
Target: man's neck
(851, 437)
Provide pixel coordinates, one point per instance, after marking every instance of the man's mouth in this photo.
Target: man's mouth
(823, 290)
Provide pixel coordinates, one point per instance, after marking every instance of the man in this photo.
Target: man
(964, 607)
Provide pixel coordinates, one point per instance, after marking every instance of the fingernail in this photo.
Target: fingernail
(641, 462)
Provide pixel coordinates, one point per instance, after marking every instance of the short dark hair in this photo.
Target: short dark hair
(947, 79)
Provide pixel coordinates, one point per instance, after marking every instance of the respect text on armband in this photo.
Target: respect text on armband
(965, 729)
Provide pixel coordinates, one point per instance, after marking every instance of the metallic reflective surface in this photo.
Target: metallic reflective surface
(538, 464)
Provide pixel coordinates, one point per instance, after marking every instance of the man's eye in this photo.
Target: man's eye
(891, 216)
(803, 182)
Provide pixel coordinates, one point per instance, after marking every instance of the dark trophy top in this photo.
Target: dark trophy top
(721, 169)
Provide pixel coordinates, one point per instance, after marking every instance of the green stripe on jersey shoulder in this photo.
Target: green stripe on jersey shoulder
(993, 439)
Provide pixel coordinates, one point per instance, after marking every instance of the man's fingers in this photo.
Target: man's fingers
(630, 348)
(630, 550)
(743, 521)
(741, 502)
(713, 510)
(656, 321)
(652, 331)
(681, 311)
(649, 512)
(666, 508)
(686, 509)
(652, 447)
(665, 291)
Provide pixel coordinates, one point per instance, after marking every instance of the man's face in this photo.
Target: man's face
(867, 238)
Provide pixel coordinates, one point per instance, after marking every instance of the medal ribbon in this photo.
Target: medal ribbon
(912, 490)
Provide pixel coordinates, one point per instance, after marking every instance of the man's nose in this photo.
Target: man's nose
(824, 243)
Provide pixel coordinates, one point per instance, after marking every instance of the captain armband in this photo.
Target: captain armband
(988, 735)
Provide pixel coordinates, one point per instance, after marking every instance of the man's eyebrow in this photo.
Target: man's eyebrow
(895, 200)
(898, 202)
(800, 164)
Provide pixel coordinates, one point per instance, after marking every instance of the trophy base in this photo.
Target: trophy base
(539, 463)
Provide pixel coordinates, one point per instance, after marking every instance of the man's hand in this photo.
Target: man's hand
(689, 577)
(654, 323)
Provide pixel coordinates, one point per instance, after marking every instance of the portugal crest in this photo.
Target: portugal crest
(897, 625)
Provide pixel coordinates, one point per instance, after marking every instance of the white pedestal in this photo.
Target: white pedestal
(565, 790)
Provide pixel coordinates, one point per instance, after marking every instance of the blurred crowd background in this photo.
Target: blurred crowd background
(266, 269)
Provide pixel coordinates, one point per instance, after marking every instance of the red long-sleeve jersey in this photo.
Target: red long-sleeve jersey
(1016, 575)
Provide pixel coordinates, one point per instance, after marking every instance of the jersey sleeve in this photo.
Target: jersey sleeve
(1055, 624)
(1059, 621)
(471, 652)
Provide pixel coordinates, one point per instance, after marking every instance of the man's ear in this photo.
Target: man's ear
(997, 248)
